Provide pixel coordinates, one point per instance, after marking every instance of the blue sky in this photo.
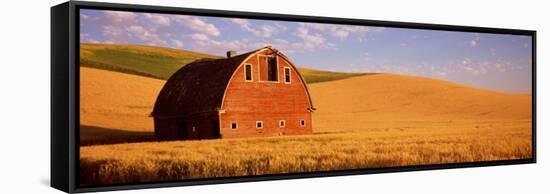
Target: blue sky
(490, 61)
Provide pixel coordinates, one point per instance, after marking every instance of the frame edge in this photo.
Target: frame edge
(59, 129)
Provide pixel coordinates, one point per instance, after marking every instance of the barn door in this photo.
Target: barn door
(215, 132)
(183, 131)
(193, 131)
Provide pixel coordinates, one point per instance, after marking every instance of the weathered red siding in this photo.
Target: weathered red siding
(246, 102)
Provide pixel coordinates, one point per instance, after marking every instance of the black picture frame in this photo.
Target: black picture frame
(65, 93)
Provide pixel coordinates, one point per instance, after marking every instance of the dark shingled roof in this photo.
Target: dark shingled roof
(197, 87)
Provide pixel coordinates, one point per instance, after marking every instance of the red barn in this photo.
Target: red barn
(259, 93)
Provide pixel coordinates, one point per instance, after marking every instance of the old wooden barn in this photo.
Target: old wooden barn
(259, 93)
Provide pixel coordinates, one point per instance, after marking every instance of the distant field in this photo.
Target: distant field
(365, 102)
(117, 101)
(315, 76)
(149, 61)
(161, 63)
(384, 147)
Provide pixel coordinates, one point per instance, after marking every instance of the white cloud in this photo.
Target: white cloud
(137, 29)
(519, 67)
(158, 19)
(87, 38)
(203, 43)
(471, 70)
(199, 37)
(309, 41)
(304, 34)
(340, 31)
(142, 28)
(264, 31)
(197, 24)
(145, 35)
(500, 67)
(177, 43)
(84, 16)
(113, 31)
(473, 43)
(120, 16)
(241, 22)
(481, 67)
(466, 61)
(151, 29)
(219, 47)
(281, 27)
(341, 34)
(120, 26)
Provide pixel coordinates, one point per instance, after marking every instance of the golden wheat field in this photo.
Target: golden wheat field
(361, 122)
(180, 160)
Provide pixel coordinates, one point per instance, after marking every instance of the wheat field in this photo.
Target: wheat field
(389, 147)
(361, 122)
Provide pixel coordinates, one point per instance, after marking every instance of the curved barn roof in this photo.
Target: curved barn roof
(199, 87)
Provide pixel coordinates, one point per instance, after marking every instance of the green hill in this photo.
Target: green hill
(155, 62)
(161, 63)
(315, 76)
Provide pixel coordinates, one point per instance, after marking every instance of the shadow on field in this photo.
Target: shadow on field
(91, 135)
(89, 171)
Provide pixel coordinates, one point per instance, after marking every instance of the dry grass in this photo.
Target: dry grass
(466, 141)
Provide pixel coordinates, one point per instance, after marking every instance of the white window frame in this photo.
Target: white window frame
(261, 124)
(283, 123)
(236, 125)
(289, 75)
(304, 123)
(251, 72)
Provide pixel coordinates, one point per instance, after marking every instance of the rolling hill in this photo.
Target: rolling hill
(397, 100)
(114, 100)
(161, 63)
(358, 103)
(149, 61)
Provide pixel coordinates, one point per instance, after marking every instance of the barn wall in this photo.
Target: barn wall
(206, 126)
(166, 128)
(199, 126)
(248, 102)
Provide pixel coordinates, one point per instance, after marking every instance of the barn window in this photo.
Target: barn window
(282, 123)
(259, 124)
(287, 75)
(272, 72)
(302, 123)
(234, 125)
(248, 72)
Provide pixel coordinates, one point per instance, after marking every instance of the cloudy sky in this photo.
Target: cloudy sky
(490, 61)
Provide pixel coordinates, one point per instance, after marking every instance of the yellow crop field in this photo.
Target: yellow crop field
(180, 160)
(361, 122)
